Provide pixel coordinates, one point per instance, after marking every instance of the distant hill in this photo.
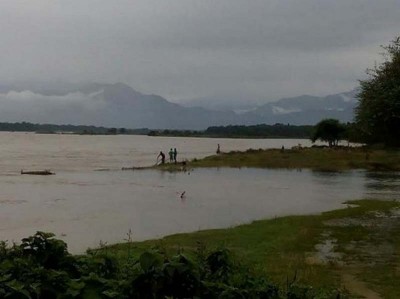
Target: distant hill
(307, 109)
(109, 105)
(301, 110)
(118, 105)
(237, 103)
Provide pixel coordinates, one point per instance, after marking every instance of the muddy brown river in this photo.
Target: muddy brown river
(90, 199)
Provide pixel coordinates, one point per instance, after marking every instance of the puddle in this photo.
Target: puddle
(358, 256)
(325, 251)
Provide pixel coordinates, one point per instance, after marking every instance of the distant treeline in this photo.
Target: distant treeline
(277, 130)
(75, 129)
(255, 131)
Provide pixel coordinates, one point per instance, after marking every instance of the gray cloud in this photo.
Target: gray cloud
(75, 107)
(189, 48)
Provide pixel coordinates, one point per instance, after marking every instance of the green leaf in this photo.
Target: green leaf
(150, 260)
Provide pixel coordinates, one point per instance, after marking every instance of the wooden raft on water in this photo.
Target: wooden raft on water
(38, 172)
(136, 168)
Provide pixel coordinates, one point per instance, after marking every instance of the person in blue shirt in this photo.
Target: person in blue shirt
(175, 154)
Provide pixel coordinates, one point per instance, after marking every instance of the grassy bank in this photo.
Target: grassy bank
(356, 247)
(346, 253)
(314, 158)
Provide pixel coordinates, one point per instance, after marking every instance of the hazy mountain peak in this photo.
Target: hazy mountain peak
(309, 109)
(119, 105)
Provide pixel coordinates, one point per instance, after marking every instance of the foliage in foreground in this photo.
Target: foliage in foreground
(41, 267)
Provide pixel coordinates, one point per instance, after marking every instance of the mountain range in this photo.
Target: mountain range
(119, 105)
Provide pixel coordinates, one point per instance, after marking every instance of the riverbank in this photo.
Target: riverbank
(329, 159)
(355, 248)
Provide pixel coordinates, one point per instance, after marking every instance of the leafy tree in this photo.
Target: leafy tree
(112, 131)
(378, 110)
(329, 130)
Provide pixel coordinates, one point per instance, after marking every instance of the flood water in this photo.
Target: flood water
(84, 205)
(79, 153)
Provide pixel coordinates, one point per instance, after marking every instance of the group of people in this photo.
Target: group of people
(173, 153)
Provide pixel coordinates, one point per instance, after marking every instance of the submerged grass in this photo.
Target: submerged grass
(283, 247)
(329, 159)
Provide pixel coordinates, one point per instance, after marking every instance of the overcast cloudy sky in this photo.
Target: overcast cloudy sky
(191, 48)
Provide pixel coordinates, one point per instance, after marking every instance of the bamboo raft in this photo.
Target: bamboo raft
(38, 172)
(135, 168)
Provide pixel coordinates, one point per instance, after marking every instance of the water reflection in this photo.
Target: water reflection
(333, 178)
(387, 177)
(383, 184)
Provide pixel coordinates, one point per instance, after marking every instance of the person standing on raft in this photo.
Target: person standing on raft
(162, 155)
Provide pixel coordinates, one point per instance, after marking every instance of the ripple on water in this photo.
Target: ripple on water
(12, 201)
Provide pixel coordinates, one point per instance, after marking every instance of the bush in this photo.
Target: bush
(42, 268)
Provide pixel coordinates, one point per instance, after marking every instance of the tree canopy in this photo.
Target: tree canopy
(329, 130)
(378, 110)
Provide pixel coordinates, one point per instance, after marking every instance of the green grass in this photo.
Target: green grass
(330, 159)
(280, 247)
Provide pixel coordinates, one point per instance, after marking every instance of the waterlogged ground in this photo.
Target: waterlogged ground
(363, 250)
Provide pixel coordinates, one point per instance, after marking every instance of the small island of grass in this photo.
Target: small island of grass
(329, 159)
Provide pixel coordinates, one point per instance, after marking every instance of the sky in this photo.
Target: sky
(183, 49)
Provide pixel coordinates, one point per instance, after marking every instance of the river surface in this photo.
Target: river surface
(88, 152)
(84, 205)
